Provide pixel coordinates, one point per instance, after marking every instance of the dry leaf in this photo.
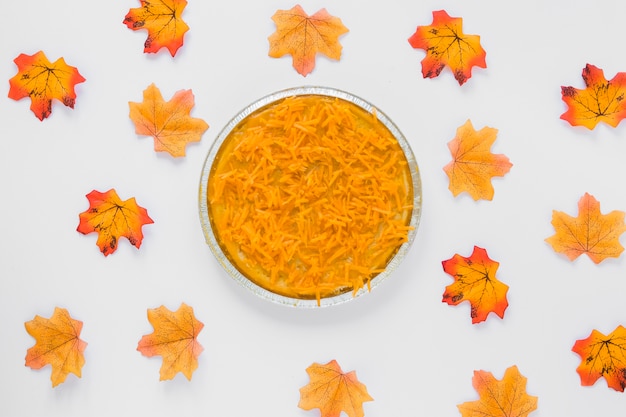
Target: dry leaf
(333, 391)
(603, 356)
(169, 123)
(473, 165)
(475, 281)
(44, 81)
(504, 398)
(58, 344)
(599, 101)
(446, 44)
(113, 218)
(175, 339)
(162, 19)
(303, 36)
(592, 232)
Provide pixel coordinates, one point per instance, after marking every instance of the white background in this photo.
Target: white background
(415, 354)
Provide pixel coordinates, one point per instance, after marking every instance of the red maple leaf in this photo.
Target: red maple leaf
(162, 19)
(113, 218)
(446, 44)
(475, 281)
(43, 81)
(603, 356)
(599, 101)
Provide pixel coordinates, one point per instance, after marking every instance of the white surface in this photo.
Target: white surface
(415, 354)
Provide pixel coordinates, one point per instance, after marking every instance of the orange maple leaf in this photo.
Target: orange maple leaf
(504, 398)
(162, 19)
(592, 232)
(43, 81)
(600, 101)
(175, 339)
(475, 281)
(446, 44)
(169, 123)
(303, 36)
(333, 391)
(113, 218)
(58, 344)
(603, 356)
(473, 165)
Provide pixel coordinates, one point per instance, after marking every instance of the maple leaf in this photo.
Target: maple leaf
(113, 218)
(175, 339)
(473, 165)
(44, 81)
(162, 19)
(600, 101)
(169, 123)
(592, 232)
(303, 36)
(446, 44)
(333, 391)
(504, 398)
(475, 281)
(603, 356)
(58, 344)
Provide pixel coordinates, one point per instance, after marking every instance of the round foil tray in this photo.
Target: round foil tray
(210, 234)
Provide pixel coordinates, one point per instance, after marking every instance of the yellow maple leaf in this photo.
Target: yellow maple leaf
(169, 123)
(58, 344)
(592, 232)
(303, 36)
(333, 391)
(175, 339)
(473, 165)
(499, 398)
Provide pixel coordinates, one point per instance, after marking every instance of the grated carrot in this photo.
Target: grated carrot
(310, 197)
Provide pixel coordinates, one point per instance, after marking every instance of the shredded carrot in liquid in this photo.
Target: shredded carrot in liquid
(310, 197)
